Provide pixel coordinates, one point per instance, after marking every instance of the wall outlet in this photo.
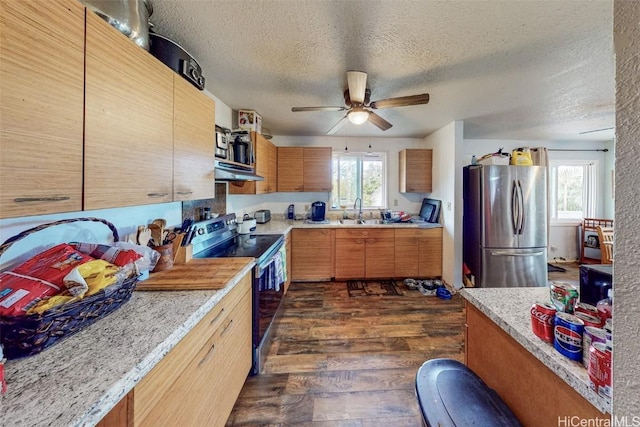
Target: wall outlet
(306, 208)
(448, 206)
(553, 248)
(395, 202)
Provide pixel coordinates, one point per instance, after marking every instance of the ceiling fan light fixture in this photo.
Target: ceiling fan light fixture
(358, 116)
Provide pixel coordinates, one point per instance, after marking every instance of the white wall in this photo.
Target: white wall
(125, 220)
(626, 273)
(446, 186)
(278, 202)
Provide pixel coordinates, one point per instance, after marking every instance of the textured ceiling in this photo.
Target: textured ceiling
(509, 69)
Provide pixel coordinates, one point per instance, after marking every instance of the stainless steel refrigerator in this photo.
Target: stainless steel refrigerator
(505, 225)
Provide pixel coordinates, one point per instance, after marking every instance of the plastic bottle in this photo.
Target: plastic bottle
(604, 307)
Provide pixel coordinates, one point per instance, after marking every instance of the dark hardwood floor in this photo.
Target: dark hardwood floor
(351, 361)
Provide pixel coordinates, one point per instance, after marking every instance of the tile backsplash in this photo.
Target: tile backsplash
(193, 209)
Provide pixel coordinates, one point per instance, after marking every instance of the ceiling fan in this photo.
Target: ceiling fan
(359, 105)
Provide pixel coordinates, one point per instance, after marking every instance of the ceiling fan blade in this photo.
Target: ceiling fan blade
(401, 101)
(379, 121)
(297, 109)
(337, 126)
(357, 82)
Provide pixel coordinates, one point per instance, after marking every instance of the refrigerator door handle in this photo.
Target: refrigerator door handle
(514, 207)
(520, 206)
(508, 253)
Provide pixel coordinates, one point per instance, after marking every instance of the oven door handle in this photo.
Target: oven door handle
(263, 265)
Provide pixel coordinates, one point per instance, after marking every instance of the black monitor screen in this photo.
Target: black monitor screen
(430, 210)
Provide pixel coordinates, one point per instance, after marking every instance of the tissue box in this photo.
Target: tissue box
(249, 120)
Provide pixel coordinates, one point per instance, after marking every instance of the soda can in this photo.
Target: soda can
(590, 336)
(542, 319)
(567, 335)
(600, 369)
(588, 319)
(583, 307)
(609, 332)
(563, 296)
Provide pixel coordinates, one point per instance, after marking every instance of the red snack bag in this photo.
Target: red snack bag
(117, 256)
(18, 292)
(53, 264)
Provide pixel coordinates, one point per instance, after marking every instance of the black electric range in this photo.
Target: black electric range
(218, 238)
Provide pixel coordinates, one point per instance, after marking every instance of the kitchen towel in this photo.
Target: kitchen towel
(274, 274)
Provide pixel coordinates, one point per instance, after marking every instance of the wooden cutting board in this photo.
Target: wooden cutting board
(197, 274)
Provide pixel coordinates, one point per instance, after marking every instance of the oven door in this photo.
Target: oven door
(268, 294)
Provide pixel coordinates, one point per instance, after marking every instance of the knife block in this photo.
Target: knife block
(184, 254)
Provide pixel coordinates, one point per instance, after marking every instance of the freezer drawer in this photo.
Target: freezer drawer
(512, 268)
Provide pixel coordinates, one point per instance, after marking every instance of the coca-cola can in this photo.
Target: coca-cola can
(600, 369)
(583, 307)
(589, 320)
(590, 336)
(542, 318)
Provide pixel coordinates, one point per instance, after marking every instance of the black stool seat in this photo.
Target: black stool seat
(452, 395)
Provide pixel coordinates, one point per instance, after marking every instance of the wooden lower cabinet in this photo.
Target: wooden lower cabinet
(418, 252)
(364, 253)
(199, 380)
(535, 394)
(312, 255)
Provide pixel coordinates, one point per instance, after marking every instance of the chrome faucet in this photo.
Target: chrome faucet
(359, 209)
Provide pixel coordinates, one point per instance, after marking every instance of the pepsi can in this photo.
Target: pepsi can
(567, 335)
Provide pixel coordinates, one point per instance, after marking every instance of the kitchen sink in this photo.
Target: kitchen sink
(360, 221)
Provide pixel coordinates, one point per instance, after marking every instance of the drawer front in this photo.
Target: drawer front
(170, 368)
(207, 389)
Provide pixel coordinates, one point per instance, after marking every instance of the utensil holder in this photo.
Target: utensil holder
(166, 257)
(184, 254)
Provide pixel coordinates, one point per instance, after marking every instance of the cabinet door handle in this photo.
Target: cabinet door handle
(226, 328)
(40, 199)
(217, 317)
(184, 193)
(208, 355)
(157, 195)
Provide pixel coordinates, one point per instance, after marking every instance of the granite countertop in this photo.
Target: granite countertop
(509, 309)
(78, 381)
(279, 225)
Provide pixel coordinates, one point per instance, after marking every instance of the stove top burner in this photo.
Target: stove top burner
(243, 245)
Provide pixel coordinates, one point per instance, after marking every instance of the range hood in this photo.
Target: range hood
(231, 171)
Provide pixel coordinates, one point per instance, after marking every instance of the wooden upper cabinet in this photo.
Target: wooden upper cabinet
(304, 169)
(272, 181)
(415, 171)
(41, 107)
(128, 122)
(290, 169)
(317, 169)
(193, 138)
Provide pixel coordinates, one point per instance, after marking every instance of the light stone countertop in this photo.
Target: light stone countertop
(78, 381)
(279, 225)
(509, 309)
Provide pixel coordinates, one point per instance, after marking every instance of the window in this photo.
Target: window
(359, 175)
(572, 184)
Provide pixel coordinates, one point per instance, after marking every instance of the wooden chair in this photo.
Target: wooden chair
(605, 236)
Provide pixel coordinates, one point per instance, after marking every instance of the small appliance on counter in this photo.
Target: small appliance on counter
(263, 216)
(247, 225)
(318, 210)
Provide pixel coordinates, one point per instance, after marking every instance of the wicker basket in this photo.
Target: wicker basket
(30, 334)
